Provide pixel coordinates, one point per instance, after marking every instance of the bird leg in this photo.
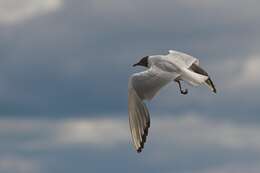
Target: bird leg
(184, 92)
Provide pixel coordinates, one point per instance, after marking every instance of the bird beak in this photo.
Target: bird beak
(136, 64)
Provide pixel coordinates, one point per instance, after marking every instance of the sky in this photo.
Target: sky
(64, 69)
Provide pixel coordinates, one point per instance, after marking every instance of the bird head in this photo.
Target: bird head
(142, 62)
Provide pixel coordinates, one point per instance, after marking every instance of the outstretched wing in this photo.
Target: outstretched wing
(139, 120)
(142, 86)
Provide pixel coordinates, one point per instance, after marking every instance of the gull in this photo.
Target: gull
(161, 70)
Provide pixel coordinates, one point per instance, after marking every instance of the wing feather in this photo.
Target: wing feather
(149, 82)
(139, 120)
(182, 59)
(143, 86)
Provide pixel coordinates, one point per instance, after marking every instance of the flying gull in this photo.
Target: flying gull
(162, 69)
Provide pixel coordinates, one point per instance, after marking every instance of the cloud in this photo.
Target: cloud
(188, 141)
(196, 131)
(186, 130)
(72, 60)
(236, 168)
(73, 57)
(45, 134)
(142, 8)
(237, 74)
(17, 164)
(248, 76)
(101, 132)
(13, 11)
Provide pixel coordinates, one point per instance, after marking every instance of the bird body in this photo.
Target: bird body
(177, 64)
(162, 69)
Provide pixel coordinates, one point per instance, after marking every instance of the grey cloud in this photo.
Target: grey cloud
(77, 59)
(189, 143)
(13, 12)
(75, 62)
(17, 164)
(188, 130)
(239, 168)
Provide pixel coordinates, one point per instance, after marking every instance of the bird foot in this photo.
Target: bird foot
(185, 91)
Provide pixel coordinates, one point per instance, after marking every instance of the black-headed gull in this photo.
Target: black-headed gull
(162, 69)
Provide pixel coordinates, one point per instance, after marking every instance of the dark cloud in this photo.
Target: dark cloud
(77, 59)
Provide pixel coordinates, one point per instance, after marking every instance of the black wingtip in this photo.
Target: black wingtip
(139, 150)
(210, 83)
(144, 136)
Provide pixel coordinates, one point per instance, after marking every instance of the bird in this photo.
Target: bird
(143, 86)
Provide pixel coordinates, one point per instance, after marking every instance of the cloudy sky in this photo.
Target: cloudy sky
(64, 68)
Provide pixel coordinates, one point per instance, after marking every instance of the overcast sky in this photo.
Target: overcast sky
(64, 68)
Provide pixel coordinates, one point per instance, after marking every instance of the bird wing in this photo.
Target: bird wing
(197, 69)
(147, 83)
(142, 86)
(182, 59)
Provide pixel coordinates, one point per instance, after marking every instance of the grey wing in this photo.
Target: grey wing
(142, 86)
